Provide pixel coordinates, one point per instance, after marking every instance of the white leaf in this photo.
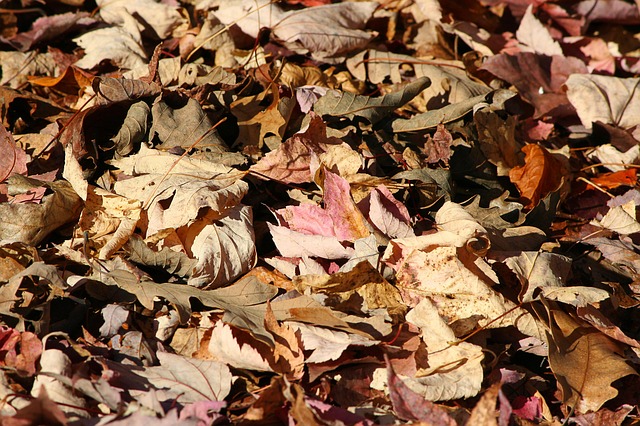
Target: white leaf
(535, 35)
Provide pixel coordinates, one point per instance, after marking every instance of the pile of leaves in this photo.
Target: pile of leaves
(319, 213)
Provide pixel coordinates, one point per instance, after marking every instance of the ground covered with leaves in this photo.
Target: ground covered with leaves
(317, 213)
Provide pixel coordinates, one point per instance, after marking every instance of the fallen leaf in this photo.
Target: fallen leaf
(541, 174)
(411, 406)
(189, 380)
(585, 361)
(347, 104)
(611, 100)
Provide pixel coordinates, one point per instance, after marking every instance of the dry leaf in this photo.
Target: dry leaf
(541, 174)
(585, 362)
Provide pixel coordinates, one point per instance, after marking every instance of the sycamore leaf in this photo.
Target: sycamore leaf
(498, 142)
(235, 349)
(14, 159)
(32, 223)
(163, 18)
(20, 350)
(374, 109)
(288, 356)
(538, 270)
(225, 249)
(538, 78)
(620, 219)
(389, 215)
(484, 413)
(326, 344)
(584, 361)
(48, 28)
(295, 244)
(114, 317)
(291, 162)
(55, 362)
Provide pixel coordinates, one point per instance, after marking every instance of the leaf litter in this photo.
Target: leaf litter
(319, 213)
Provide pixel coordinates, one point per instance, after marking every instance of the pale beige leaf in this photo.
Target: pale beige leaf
(54, 362)
(328, 32)
(120, 44)
(225, 348)
(224, 249)
(539, 270)
(177, 199)
(611, 100)
(31, 223)
(484, 413)
(620, 219)
(295, 244)
(163, 18)
(578, 296)
(327, 344)
(110, 220)
(535, 36)
(613, 159)
(457, 283)
(188, 380)
(455, 370)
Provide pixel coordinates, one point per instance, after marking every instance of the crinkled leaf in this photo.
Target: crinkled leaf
(133, 130)
(373, 109)
(183, 126)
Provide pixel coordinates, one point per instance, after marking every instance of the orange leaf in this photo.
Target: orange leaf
(541, 174)
(613, 180)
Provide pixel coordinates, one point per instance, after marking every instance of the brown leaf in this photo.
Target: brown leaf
(584, 361)
(484, 413)
(538, 78)
(541, 174)
(288, 358)
(41, 410)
